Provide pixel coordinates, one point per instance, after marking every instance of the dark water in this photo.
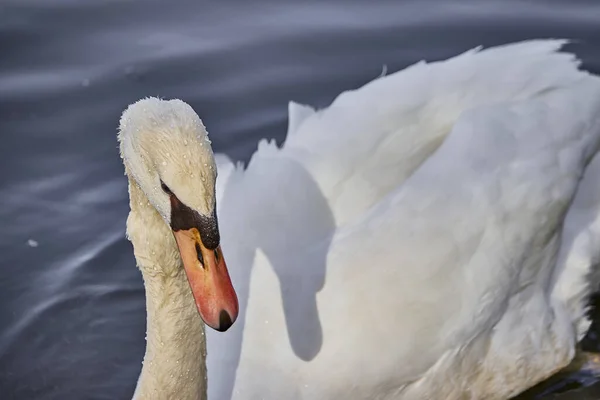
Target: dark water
(72, 316)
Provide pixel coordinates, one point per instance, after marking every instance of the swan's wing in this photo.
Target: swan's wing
(225, 168)
(369, 140)
(297, 114)
(464, 250)
(577, 274)
(450, 274)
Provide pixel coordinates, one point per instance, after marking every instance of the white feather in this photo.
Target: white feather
(423, 215)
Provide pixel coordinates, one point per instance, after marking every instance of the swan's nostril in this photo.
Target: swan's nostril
(225, 321)
(199, 253)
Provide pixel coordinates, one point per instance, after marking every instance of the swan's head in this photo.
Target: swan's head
(166, 151)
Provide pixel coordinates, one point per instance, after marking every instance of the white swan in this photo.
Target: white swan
(430, 235)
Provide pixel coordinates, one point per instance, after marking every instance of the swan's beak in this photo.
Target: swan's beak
(209, 280)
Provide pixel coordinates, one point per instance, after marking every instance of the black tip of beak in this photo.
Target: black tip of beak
(225, 321)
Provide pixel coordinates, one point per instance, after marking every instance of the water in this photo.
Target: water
(71, 300)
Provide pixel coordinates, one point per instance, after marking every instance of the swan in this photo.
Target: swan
(430, 235)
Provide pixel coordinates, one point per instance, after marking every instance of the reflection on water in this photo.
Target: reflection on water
(72, 308)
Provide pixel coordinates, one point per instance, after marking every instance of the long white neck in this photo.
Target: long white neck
(174, 365)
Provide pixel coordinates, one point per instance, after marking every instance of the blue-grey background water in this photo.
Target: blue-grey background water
(72, 315)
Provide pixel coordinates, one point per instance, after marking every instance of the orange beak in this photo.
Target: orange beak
(197, 237)
(209, 280)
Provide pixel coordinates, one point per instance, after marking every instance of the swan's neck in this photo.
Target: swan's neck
(174, 364)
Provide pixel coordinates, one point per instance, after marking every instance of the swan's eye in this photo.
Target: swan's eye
(217, 255)
(200, 258)
(165, 188)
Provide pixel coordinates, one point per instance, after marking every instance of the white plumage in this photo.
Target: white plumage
(445, 187)
(431, 235)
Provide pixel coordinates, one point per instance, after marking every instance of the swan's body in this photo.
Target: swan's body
(430, 235)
